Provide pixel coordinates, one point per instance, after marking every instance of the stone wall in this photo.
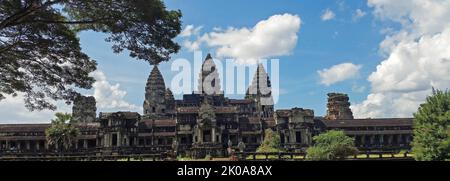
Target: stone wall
(84, 109)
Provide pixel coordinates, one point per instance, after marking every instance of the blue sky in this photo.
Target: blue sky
(321, 44)
(385, 54)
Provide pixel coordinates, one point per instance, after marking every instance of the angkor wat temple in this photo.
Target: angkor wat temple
(207, 122)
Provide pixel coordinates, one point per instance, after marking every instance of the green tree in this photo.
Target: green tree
(431, 128)
(61, 133)
(332, 145)
(271, 142)
(40, 53)
(446, 144)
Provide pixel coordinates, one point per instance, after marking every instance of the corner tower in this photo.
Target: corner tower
(261, 92)
(338, 107)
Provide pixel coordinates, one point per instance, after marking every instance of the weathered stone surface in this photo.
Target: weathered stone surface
(260, 91)
(170, 100)
(209, 81)
(84, 109)
(200, 124)
(338, 107)
(155, 93)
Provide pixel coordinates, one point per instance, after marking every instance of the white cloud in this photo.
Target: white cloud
(327, 15)
(341, 5)
(358, 89)
(191, 45)
(13, 111)
(275, 36)
(186, 33)
(190, 30)
(358, 14)
(110, 96)
(418, 57)
(416, 16)
(338, 73)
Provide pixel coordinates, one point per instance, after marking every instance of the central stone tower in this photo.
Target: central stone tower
(209, 81)
(159, 101)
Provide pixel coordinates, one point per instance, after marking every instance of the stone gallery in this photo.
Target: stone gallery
(207, 123)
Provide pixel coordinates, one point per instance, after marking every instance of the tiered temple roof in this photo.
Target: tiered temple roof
(155, 93)
(260, 84)
(209, 74)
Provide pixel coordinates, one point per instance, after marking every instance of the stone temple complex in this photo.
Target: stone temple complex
(207, 123)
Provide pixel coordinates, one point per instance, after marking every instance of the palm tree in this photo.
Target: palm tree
(61, 133)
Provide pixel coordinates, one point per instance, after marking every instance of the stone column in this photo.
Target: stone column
(27, 145)
(7, 145)
(213, 134)
(119, 139)
(293, 136)
(200, 136)
(390, 140)
(37, 145)
(85, 144)
(106, 141)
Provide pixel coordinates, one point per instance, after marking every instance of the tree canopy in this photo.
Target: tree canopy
(40, 53)
(61, 133)
(432, 128)
(271, 142)
(331, 145)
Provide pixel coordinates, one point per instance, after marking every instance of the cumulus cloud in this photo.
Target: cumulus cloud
(13, 111)
(358, 89)
(109, 96)
(338, 73)
(327, 15)
(416, 16)
(417, 58)
(191, 45)
(190, 30)
(358, 14)
(275, 36)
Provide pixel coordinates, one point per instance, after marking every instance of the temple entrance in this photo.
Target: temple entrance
(298, 137)
(225, 139)
(114, 139)
(207, 136)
